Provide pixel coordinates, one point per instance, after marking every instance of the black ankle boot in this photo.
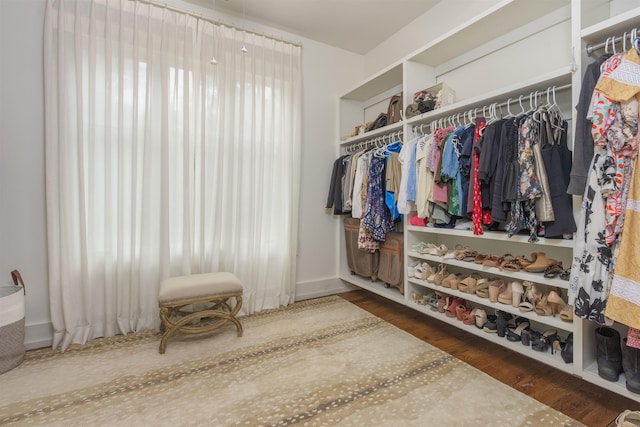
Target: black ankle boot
(567, 350)
(631, 367)
(609, 353)
(502, 322)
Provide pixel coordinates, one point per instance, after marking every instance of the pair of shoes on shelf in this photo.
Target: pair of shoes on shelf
(453, 303)
(465, 254)
(552, 304)
(514, 333)
(468, 284)
(540, 263)
(532, 295)
(430, 249)
(511, 294)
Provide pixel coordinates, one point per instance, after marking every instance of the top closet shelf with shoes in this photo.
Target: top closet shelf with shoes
(559, 77)
(493, 235)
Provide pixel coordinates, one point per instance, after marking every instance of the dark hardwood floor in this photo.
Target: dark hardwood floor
(580, 400)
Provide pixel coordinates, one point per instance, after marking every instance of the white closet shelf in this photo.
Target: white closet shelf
(493, 271)
(502, 18)
(590, 373)
(381, 82)
(494, 235)
(554, 360)
(559, 77)
(375, 287)
(551, 321)
(613, 26)
(395, 127)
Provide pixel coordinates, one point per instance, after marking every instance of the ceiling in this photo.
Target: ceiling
(354, 25)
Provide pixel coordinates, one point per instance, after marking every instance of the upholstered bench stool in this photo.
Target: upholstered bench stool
(209, 296)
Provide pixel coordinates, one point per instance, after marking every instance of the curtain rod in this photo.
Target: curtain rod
(214, 21)
(631, 34)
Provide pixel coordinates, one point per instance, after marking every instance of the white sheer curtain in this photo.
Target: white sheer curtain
(159, 163)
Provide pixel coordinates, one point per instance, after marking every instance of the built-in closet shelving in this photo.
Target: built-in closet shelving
(497, 29)
(594, 21)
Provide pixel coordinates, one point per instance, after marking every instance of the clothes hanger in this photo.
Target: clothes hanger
(509, 113)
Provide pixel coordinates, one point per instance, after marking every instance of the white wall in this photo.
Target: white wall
(327, 72)
(23, 238)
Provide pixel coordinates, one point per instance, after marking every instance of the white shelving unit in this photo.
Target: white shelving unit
(593, 22)
(496, 30)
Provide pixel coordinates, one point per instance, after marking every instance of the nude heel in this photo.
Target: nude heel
(517, 291)
(556, 302)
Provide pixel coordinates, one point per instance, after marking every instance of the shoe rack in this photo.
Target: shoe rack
(512, 27)
(497, 244)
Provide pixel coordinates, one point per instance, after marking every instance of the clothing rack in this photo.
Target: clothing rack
(378, 141)
(611, 41)
(491, 109)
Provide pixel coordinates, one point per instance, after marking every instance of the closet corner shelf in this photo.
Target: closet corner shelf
(554, 360)
(375, 287)
(559, 77)
(551, 321)
(382, 81)
(493, 271)
(502, 18)
(494, 235)
(372, 134)
(613, 26)
(590, 373)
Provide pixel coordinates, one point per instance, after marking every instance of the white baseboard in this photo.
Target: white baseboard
(38, 336)
(321, 288)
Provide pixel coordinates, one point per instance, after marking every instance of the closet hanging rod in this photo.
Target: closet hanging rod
(498, 105)
(215, 21)
(392, 137)
(631, 34)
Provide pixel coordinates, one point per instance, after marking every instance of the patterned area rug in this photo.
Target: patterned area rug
(322, 362)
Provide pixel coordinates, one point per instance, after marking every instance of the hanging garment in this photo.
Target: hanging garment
(393, 176)
(623, 304)
(476, 216)
(450, 171)
(376, 217)
(349, 173)
(543, 205)
(499, 204)
(523, 213)
(593, 258)
(334, 198)
(424, 175)
(359, 185)
(557, 160)
(406, 153)
(583, 141)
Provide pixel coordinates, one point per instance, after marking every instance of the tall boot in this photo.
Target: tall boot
(631, 367)
(609, 353)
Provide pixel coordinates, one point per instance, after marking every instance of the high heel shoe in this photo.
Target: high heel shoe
(567, 350)
(506, 296)
(556, 302)
(441, 274)
(424, 271)
(543, 308)
(517, 291)
(495, 288)
(531, 297)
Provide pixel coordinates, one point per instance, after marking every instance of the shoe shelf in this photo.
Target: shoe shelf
(554, 360)
(375, 287)
(553, 322)
(590, 373)
(493, 235)
(492, 271)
